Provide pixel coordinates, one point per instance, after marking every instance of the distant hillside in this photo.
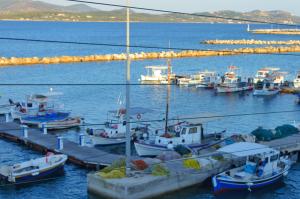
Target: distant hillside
(37, 10)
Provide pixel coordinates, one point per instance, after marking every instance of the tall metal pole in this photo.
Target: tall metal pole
(168, 95)
(128, 133)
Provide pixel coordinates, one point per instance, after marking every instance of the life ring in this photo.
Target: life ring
(177, 128)
(138, 116)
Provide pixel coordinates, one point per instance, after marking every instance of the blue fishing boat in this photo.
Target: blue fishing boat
(263, 167)
(33, 170)
(44, 118)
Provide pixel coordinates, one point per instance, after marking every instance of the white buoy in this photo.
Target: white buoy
(7, 117)
(25, 131)
(60, 143)
(170, 146)
(81, 139)
(44, 127)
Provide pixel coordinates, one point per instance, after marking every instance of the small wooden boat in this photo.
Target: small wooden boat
(67, 123)
(263, 167)
(33, 170)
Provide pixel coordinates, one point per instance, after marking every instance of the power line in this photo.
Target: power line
(181, 118)
(183, 13)
(143, 46)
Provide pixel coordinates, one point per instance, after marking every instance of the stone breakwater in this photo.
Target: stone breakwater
(276, 31)
(251, 42)
(141, 56)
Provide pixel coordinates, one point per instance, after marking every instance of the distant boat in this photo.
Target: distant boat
(263, 167)
(33, 170)
(266, 88)
(203, 79)
(269, 73)
(233, 83)
(156, 74)
(297, 80)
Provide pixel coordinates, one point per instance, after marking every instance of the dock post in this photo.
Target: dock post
(7, 117)
(60, 143)
(44, 127)
(25, 131)
(81, 139)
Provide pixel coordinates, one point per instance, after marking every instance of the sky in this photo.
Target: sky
(204, 5)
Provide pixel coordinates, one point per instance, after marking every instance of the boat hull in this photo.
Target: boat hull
(42, 175)
(64, 124)
(145, 149)
(265, 92)
(233, 89)
(36, 120)
(221, 186)
(100, 141)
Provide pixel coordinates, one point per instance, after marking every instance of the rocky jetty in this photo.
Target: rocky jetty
(143, 55)
(251, 42)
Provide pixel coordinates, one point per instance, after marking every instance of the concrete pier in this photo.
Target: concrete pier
(147, 186)
(88, 157)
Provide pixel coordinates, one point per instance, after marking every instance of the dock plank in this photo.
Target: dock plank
(89, 156)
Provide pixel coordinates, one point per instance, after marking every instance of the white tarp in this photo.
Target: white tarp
(243, 149)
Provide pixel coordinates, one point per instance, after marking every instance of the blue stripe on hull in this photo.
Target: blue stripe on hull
(48, 173)
(223, 186)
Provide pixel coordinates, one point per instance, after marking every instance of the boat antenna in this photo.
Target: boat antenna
(128, 134)
(168, 92)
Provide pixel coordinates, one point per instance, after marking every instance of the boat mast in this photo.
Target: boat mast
(168, 93)
(128, 134)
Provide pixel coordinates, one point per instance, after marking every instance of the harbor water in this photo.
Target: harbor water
(92, 102)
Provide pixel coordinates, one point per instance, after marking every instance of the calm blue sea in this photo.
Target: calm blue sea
(92, 102)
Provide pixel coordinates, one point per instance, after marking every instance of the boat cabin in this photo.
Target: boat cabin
(260, 160)
(156, 73)
(181, 134)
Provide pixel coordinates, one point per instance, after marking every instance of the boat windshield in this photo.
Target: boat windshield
(254, 159)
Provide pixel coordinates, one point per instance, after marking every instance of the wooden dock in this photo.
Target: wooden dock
(88, 157)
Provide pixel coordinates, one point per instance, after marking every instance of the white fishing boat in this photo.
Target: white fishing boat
(184, 133)
(263, 167)
(33, 170)
(69, 122)
(157, 74)
(297, 80)
(233, 83)
(114, 132)
(269, 73)
(206, 79)
(266, 88)
(37, 104)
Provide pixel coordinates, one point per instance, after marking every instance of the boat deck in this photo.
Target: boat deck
(80, 155)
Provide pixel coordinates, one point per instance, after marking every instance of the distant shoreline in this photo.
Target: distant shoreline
(179, 22)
